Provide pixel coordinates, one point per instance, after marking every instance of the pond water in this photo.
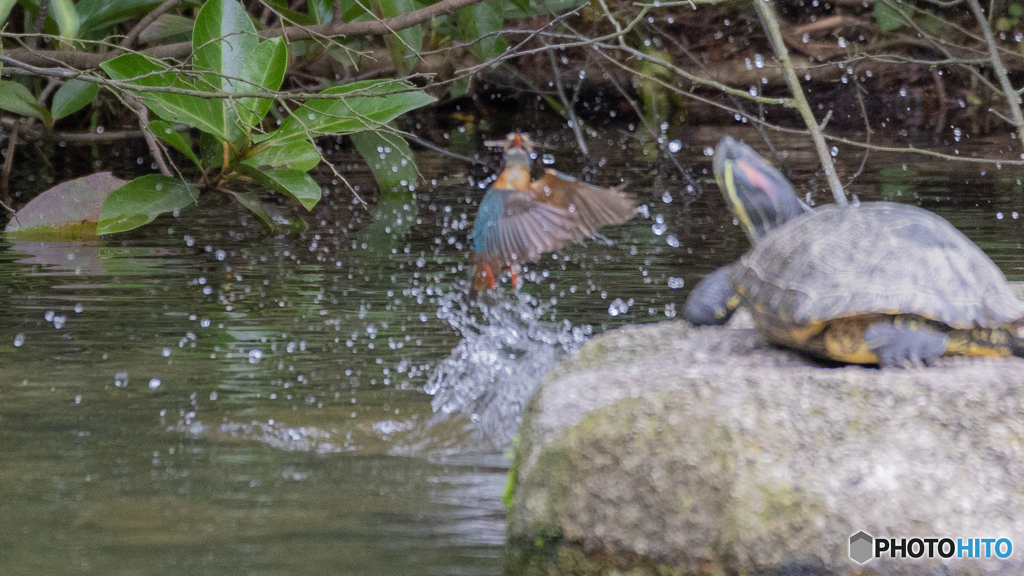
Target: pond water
(197, 397)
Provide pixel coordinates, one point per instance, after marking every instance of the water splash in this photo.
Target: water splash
(506, 350)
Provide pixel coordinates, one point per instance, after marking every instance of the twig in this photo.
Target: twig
(570, 113)
(85, 60)
(51, 85)
(5, 174)
(940, 89)
(767, 13)
(867, 131)
(154, 148)
(133, 34)
(1012, 99)
(30, 135)
(436, 148)
(37, 25)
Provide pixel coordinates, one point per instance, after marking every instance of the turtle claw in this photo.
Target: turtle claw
(903, 346)
(708, 304)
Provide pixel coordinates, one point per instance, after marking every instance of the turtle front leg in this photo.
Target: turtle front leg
(902, 344)
(712, 302)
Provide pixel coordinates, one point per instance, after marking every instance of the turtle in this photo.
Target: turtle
(876, 283)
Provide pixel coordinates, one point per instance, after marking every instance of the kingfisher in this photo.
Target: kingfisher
(520, 218)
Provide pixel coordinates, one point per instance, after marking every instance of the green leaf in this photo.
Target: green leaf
(294, 183)
(64, 13)
(72, 97)
(222, 40)
(263, 69)
(99, 14)
(321, 11)
(270, 215)
(211, 151)
(404, 45)
(140, 201)
(166, 132)
(165, 26)
(300, 155)
(526, 9)
(360, 106)
(459, 87)
(16, 98)
(478, 26)
(192, 110)
(68, 211)
(390, 159)
(888, 18)
(5, 10)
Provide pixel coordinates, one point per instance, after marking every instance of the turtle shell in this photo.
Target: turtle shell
(879, 257)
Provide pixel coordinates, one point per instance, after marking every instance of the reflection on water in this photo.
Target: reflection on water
(200, 398)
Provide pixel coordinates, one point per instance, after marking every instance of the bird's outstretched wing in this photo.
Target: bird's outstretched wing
(591, 207)
(513, 227)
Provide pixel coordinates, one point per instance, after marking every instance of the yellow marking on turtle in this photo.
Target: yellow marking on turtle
(980, 342)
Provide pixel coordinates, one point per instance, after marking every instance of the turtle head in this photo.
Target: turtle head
(518, 149)
(757, 193)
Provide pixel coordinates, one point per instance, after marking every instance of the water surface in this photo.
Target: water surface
(198, 397)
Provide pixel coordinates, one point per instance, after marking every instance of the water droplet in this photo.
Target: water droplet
(166, 352)
(547, 159)
(666, 198)
(903, 91)
(312, 116)
(19, 339)
(617, 307)
(99, 129)
(79, 308)
(834, 151)
(154, 383)
(753, 90)
(842, 42)
(758, 61)
(659, 226)
(709, 151)
(220, 255)
(78, 399)
(957, 133)
(999, 215)
(213, 395)
(675, 283)
(675, 146)
(672, 241)
(255, 355)
(121, 379)
(805, 38)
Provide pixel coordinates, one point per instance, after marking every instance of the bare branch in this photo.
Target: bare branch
(86, 61)
(767, 13)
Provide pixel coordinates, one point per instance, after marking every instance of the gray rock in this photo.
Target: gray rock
(709, 451)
